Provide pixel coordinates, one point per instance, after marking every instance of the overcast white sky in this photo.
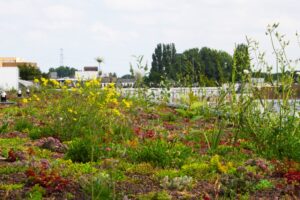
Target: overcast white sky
(117, 29)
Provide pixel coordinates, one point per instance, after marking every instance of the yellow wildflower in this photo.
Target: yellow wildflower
(87, 84)
(113, 101)
(68, 82)
(116, 112)
(54, 82)
(132, 143)
(25, 100)
(95, 82)
(36, 80)
(127, 103)
(44, 81)
(111, 85)
(36, 97)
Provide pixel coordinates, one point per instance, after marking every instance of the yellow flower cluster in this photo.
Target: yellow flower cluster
(68, 82)
(25, 100)
(215, 162)
(44, 81)
(72, 111)
(116, 112)
(36, 97)
(54, 82)
(111, 94)
(127, 103)
(93, 83)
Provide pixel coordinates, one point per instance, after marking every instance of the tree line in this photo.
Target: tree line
(196, 67)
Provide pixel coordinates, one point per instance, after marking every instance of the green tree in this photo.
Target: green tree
(205, 67)
(156, 66)
(28, 72)
(241, 60)
(64, 71)
(127, 76)
(190, 67)
(168, 61)
(163, 64)
(226, 62)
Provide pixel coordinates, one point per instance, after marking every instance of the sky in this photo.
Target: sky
(116, 30)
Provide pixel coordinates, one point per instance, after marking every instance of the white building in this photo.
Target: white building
(9, 78)
(88, 73)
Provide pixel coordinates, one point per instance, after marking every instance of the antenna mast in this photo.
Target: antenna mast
(61, 57)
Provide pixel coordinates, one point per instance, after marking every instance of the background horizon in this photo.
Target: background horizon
(118, 29)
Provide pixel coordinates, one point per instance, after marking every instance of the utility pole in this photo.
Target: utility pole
(61, 57)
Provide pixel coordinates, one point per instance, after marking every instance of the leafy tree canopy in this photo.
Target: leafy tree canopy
(64, 71)
(28, 72)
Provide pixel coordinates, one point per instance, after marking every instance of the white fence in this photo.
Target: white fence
(9, 78)
(174, 94)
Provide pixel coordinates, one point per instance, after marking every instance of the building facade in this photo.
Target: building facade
(9, 78)
(14, 61)
(88, 73)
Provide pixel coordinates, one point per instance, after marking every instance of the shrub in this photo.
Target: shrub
(170, 117)
(98, 187)
(39, 132)
(91, 148)
(161, 153)
(279, 139)
(272, 127)
(4, 127)
(83, 150)
(23, 125)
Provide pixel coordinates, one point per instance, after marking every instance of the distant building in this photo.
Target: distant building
(125, 83)
(9, 78)
(89, 72)
(120, 82)
(14, 61)
(90, 69)
(53, 75)
(107, 80)
(257, 80)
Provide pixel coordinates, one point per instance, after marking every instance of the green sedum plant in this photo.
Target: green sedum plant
(178, 183)
(264, 185)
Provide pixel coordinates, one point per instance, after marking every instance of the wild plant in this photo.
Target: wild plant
(275, 133)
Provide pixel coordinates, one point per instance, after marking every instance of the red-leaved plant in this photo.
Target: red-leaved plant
(49, 179)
